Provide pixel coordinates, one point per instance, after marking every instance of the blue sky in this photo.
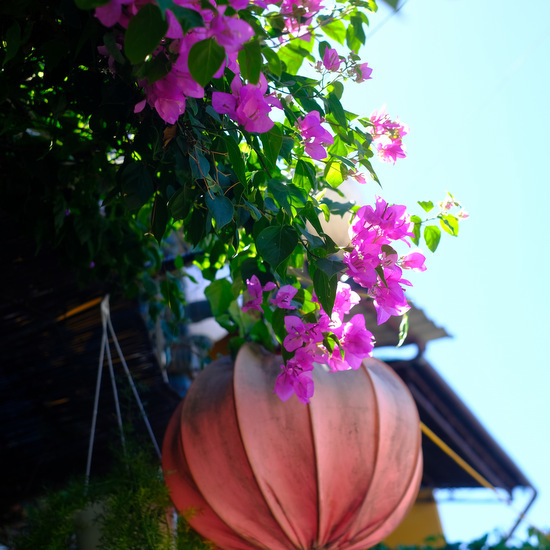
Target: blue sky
(472, 82)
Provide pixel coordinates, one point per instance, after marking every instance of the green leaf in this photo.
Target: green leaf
(112, 47)
(337, 88)
(449, 223)
(13, 40)
(357, 25)
(323, 45)
(366, 163)
(287, 195)
(392, 3)
(272, 142)
(250, 61)
(273, 61)
(89, 4)
(403, 329)
(179, 204)
(165, 5)
(275, 244)
(416, 229)
(304, 176)
(187, 18)
(312, 216)
(205, 58)
(144, 33)
(426, 205)
(330, 267)
(339, 148)
(159, 218)
(336, 109)
(199, 164)
(334, 29)
(335, 172)
(293, 55)
(154, 69)
(235, 158)
(325, 289)
(221, 208)
(220, 295)
(313, 240)
(137, 185)
(432, 235)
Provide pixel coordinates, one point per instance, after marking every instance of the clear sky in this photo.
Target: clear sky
(472, 80)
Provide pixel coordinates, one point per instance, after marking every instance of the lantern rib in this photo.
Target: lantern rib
(376, 439)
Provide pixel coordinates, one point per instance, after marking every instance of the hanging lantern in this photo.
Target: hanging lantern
(339, 473)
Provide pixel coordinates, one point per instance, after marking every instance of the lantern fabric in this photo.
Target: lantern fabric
(251, 471)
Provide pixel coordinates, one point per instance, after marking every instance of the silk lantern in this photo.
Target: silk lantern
(251, 471)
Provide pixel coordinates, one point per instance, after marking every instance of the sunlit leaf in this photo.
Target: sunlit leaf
(335, 29)
(416, 229)
(432, 235)
(335, 172)
(403, 329)
(449, 223)
(426, 205)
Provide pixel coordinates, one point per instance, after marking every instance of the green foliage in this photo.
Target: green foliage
(536, 540)
(131, 507)
(105, 186)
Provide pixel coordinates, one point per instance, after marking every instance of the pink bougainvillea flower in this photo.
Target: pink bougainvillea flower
(174, 31)
(294, 380)
(314, 136)
(363, 72)
(414, 261)
(331, 60)
(387, 135)
(381, 224)
(357, 342)
(297, 334)
(230, 32)
(239, 4)
(298, 14)
(247, 104)
(110, 14)
(359, 177)
(296, 376)
(284, 297)
(389, 296)
(344, 301)
(389, 150)
(256, 290)
(361, 267)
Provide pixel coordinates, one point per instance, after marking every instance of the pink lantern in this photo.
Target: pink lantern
(339, 473)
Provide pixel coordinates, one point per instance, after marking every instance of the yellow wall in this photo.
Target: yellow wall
(421, 523)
